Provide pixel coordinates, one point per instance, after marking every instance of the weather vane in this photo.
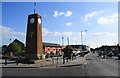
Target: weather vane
(34, 6)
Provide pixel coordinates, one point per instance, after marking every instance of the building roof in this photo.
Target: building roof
(18, 41)
(44, 44)
(51, 44)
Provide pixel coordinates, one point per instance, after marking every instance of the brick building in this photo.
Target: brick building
(52, 47)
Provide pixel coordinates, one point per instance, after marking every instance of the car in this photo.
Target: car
(110, 54)
(119, 56)
(104, 53)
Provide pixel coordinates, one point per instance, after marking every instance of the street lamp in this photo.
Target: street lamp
(68, 40)
(115, 47)
(10, 40)
(82, 41)
(82, 36)
(62, 41)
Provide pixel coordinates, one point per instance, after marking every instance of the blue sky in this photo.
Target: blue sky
(63, 19)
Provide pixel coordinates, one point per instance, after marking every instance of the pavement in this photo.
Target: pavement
(49, 64)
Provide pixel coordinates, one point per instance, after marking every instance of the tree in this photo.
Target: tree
(69, 47)
(91, 49)
(67, 51)
(14, 47)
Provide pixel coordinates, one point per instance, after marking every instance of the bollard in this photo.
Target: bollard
(17, 61)
(5, 61)
(63, 60)
(52, 60)
(67, 59)
(29, 62)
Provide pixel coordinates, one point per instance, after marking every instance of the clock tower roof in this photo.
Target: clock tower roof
(36, 14)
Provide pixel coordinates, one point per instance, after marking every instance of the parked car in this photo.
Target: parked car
(99, 53)
(119, 56)
(104, 53)
(110, 54)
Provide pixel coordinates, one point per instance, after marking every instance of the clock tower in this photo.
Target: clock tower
(34, 37)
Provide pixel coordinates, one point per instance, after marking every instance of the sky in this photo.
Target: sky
(63, 19)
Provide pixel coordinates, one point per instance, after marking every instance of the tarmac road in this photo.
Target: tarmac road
(101, 67)
(63, 71)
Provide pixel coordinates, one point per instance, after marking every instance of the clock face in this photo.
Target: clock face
(39, 21)
(32, 20)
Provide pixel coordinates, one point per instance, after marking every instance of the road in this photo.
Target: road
(64, 71)
(101, 67)
(95, 67)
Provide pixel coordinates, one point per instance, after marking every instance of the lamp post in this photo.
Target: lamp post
(57, 57)
(118, 50)
(82, 42)
(68, 40)
(62, 41)
(82, 36)
(115, 47)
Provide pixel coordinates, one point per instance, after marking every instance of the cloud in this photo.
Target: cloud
(55, 14)
(108, 20)
(67, 33)
(8, 31)
(101, 34)
(68, 24)
(89, 23)
(54, 34)
(83, 33)
(90, 15)
(73, 38)
(45, 32)
(103, 20)
(66, 14)
(61, 13)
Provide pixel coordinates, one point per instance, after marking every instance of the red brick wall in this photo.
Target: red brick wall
(53, 49)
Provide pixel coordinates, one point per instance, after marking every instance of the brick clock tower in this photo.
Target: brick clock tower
(34, 37)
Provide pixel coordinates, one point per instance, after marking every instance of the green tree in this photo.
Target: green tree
(67, 51)
(14, 47)
(91, 49)
(69, 47)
